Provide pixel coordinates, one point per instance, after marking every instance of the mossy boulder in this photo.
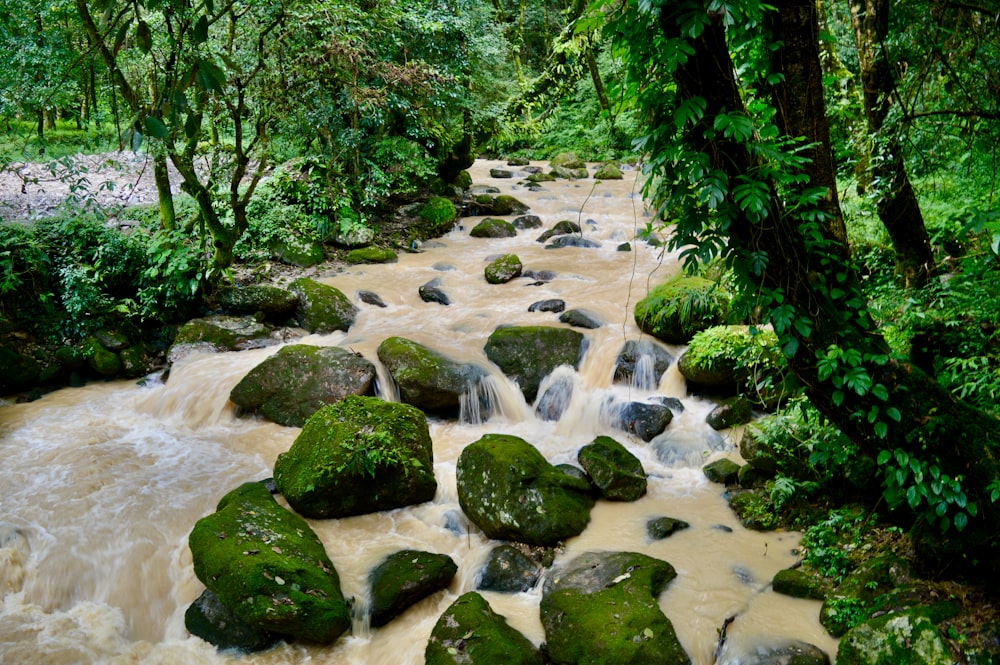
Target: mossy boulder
(581, 318)
(101, 360)
(439, 214)
(641, 363)
(371, 255)
(729, 412)
(219, 333)
(491, 227)
(541, 177)
(723, 471)
(602, 607)
(508, 489)
(527, 354)
(567, 160)
(608, 171)
(798, 583)
(788, 653)
(498, 172)
(218, 625)
(740, 360)
(469, 632)
(562, 227)
(504, 204)
(754, 509)
(680, 307)
(360, 455)
(528, 222)
(908, 638)
(112, 340)
(134, 360)
(404, 578)
(765, 446)
(616, 472)
(266, 565)
(275, 302)
(299, 379)
(463, 180)
(503, 269)
(426, 378)
(298, 251)
(508, 570)
(19, 371)
(322, 308)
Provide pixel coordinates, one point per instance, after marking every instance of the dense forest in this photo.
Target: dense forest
(835, 162)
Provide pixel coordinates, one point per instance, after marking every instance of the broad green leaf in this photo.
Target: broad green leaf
(156, 128)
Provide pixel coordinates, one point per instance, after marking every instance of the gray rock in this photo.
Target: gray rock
(322, 308)
(430, 293)
(426, 378)
(508, 570)
(371, 298)
(581, 318)
(273, 301)
(641, 363)
(645, 420)
(405, 578)
(553, 305)
(527, 354)
(663, 527)
(615, 471)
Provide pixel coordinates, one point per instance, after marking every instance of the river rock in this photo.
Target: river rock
(527, 354)
(797, 583)
(208, 618)
(528, 222)
(686, 447)
(298, 251)
(503, 269)
(559, 242)
(432, 293)
(268, 566)
(555, 397)
(426, 378)
(641, 363)
(552, 305)
(511, 492)
(491, 227)
(644, 420)
(664, 527)
(536, 178)
(469, 632)
(564, 227)
(608, 171)
(907, 638)
(365, 255)
(508, 570)
(438, 215)
(602, 607)
(505, 204)
(581, 318)
(135, 361)
(296, 381)
(371, 298)
(790, 653)
(518, 161)
(567, 160)
(615, 471)
(404, 578)
(680, 307)
(322, 309)
(112, 340)
(275, 302)
(729, 412)
(101, 359)
(501, 173)
(219, 333)
(358, 456)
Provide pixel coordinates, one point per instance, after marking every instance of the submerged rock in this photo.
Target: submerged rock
(296, 381)
(511, 492)
(615, 471)
(508, 570)
(663, 527)
(268, 566)
(646, 421)
(321, 308)
(527, 354)
(360, 455)
(551, 305)
(469, 632)
(641, 363)
(404, 578)
(208, 618)
(581, 318)
(426, 378)
(602, 607)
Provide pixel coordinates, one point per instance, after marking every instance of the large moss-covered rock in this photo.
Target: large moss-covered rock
(491, 227)
(218, 625)
(220, 333)
(371, 255)
(511, 492)
(426, 378)
(602, 608)
(298, 251)
(295, 382)
(737, 359)
(798, 583)
(562, 227)
(439, 214)
(567, 160)
(527, 354)
(360, 455)
(723, 471)
(729, 412)
(469, 632)
(503, 269)
(266, 565)
(616, 472)
(608, 171)
(275, 302)
(677, 309)
(404, 578)
(505, 204)
(322, 308)
(101, 359)
(908, 638)
(19, 371)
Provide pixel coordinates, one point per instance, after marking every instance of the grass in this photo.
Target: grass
(19, 141)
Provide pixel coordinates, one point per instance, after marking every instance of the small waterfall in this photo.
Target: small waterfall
(361, 618)
(491, 396)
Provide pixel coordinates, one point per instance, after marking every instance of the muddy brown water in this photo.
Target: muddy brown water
(102, 484)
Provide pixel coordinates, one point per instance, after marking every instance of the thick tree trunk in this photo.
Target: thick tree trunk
(168, 215)
(897, 204)
(821, 286)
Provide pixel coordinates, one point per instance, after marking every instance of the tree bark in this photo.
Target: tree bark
(821, 286)
(896, 202)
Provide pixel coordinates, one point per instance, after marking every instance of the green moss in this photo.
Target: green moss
(425, 378)
(371, 255)
(469, 632)
(503, 269)
(405, 578)
(677, 309)
(608, 171)
(439, 213)
(491, 227)
(754, 509)
(267, 566)
(508, 205)
(617, 472)
(527, 354)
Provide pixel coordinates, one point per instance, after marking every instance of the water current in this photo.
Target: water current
(101, 485)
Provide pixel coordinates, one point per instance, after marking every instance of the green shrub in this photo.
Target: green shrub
(677, 309)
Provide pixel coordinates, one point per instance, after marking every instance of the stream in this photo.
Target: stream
(101, 485)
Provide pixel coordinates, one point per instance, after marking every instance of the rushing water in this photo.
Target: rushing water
(102, 484)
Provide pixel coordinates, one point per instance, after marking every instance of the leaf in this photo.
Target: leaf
(961, 520)
(156, 128)
(201, 29)
(883, 457)
(881, 430)
(209, 76)
(143, 37)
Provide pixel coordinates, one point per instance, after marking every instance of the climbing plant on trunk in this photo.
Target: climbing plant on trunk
(732, 176)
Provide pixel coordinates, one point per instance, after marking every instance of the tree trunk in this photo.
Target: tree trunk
(168, 215)
(820, 285)
(897, 204)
